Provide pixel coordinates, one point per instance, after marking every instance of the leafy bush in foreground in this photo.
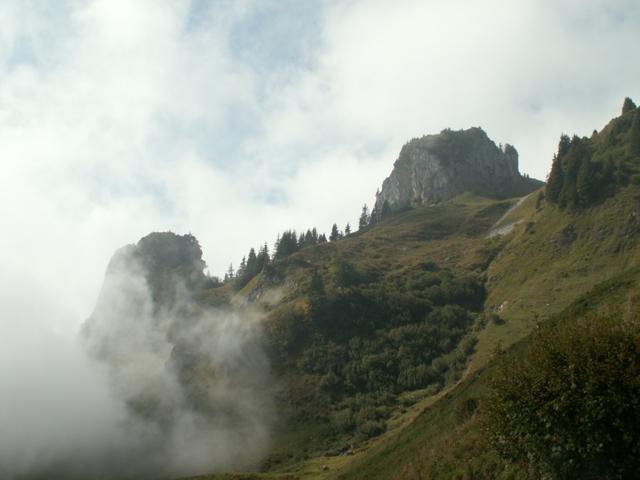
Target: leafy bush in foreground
(570, 406)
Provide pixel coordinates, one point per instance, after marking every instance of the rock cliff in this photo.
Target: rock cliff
(439, 167)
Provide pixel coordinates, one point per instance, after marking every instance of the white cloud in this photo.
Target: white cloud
(118, 118)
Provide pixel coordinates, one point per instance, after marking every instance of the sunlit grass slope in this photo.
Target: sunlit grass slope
(446, 441)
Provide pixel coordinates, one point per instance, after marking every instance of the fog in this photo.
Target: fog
(55, 405)
(150, 389)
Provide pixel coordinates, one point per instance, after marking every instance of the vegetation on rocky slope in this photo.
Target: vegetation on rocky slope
(385, 341)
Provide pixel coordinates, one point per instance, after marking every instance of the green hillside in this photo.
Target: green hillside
(447, 440)
(364, 320)
(384, 342)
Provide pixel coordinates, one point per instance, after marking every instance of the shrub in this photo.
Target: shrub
(570, 405)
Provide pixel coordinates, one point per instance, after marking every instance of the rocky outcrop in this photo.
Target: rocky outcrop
(186, 373)
(170, 264)
(438, 167)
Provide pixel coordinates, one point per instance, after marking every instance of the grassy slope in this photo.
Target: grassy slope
(551, 259)
(446, 441)
(440, 437)
(537, 270)
(451, 234)
(552, 263)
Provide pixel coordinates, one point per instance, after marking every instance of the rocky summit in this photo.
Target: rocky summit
(439, 167)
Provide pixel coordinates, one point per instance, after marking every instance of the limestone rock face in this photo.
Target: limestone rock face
(438, 167)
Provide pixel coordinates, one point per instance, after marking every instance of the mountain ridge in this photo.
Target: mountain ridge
(381, 340)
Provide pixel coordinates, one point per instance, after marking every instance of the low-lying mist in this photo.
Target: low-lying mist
(155, 386)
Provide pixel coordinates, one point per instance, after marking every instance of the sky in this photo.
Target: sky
(236, 120)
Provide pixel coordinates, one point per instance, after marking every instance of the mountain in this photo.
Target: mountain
(436, 168)
(146, 279)
(383, 345)
(185, 373)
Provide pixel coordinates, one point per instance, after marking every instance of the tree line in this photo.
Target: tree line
(289, 242)
(286, 244)
(587, 170)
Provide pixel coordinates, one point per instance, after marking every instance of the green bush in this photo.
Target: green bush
(570, 405)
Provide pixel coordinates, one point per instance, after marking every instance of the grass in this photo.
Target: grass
(446, 440)
(450, 235)
(535, 272)
(539, 269)
(552, 258)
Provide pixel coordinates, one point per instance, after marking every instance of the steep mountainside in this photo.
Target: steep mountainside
(439, 167)
(186, 373)
(555, 263)
(383, 343)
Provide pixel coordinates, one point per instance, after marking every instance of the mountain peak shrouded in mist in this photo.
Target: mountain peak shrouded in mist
(167, 261)
(332, 342)
(435, 168)
(193, 378)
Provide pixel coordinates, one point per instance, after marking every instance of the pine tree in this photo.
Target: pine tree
(335, 234)
(252, 264)
(230, 274)
(563, 146)
(554, 182)
(301, 241)
(584, 183)
(308, 239)
(287, 244)
(374, 217)
(634, 135)
(322, 238)
(571, 164)
(242, 268)
(364, 218)
(347, 229)
(263, 258)
(628, 105)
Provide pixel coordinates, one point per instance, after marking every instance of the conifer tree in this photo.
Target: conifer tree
(252, 264)
(563, 146)
(347, 229)
(585, 183)
(335, 234)
(554, 182)
(308, 239)
(287, 244)
(322, 238)
(263, 258)
(230, 273)
(242, 268)
(571, 164)
(364, 218)
(634, 135)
